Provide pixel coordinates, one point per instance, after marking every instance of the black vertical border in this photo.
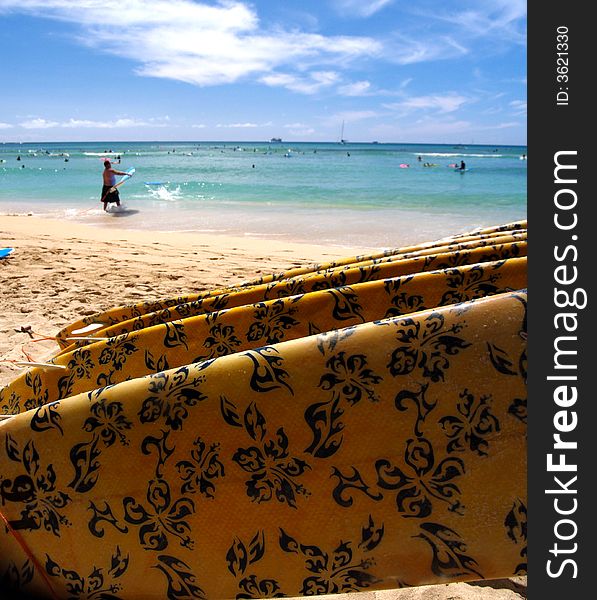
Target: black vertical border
(553, 128)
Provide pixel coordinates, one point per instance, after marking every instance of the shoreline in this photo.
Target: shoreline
(60, 271)
(31, 224)
(349, 230)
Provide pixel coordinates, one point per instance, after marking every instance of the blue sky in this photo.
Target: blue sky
(390, 70)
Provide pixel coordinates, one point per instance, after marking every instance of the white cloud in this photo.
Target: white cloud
(5, 125)
(439, 103)
(505, 125)
(519, 107)
(39, 124)
(499, 18)
(404, 49)
(117, 124)
(201, 44)
(238, 125)
(358, 88)
(198, 126)
(360, 8)
(311, 84)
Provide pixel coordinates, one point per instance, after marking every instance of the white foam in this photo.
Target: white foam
(162, 193)
(449, 154)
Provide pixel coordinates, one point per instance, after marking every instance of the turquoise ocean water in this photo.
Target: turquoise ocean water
(347, 194)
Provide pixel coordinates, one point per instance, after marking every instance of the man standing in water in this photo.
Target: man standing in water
(109, 192)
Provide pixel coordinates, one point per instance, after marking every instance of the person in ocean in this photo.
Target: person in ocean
(462, 165)
(109, 194)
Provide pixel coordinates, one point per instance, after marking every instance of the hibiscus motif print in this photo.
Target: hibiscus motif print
(469, 284)
(38, 389)
(423, 481)
(221, 341)
(426, 345)
(339, 570)
(274, 473)
(99, 584)
(117, 350)
(160, 517)
(81, 364)
(108, 422)
(272, 320)
(475, 423)
(10, 405)
(350, 378)
(35, 489)
(199, 472)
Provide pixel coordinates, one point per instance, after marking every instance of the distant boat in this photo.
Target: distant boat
(342, 140)
(275, 140)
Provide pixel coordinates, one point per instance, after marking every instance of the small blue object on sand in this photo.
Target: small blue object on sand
(4, 252)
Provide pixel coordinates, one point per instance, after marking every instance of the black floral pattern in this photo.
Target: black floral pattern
(336, 571)
(346, 305)
(268, 373)
(419, 399)
(272, 320)
(402, 301)
(241, 555)
(349, 379)
(200, 472)
(117, 350)
(181, 579)
(10, 405)
(35, 489)
(345, 457)
(108, 421)
(274, 472)
(172, 395)
(516, 529)
(352, 481)
(449, 552)
(220, 341)
(472, 426)
(100, 584)
(160, 517)
(106, 424)
(81, 363)
(423, 481)
(426, 345)
(259, 588)
(39, 393)
(469, 284)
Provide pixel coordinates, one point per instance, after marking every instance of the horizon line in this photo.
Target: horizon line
(346, 142)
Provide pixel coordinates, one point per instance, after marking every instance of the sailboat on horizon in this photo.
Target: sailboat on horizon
(342, 140)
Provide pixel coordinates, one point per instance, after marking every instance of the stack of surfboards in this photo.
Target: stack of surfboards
(356, 425)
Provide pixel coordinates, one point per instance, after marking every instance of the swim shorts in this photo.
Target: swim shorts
(108, 196)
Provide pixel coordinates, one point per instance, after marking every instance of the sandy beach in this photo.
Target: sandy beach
(62, 271)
